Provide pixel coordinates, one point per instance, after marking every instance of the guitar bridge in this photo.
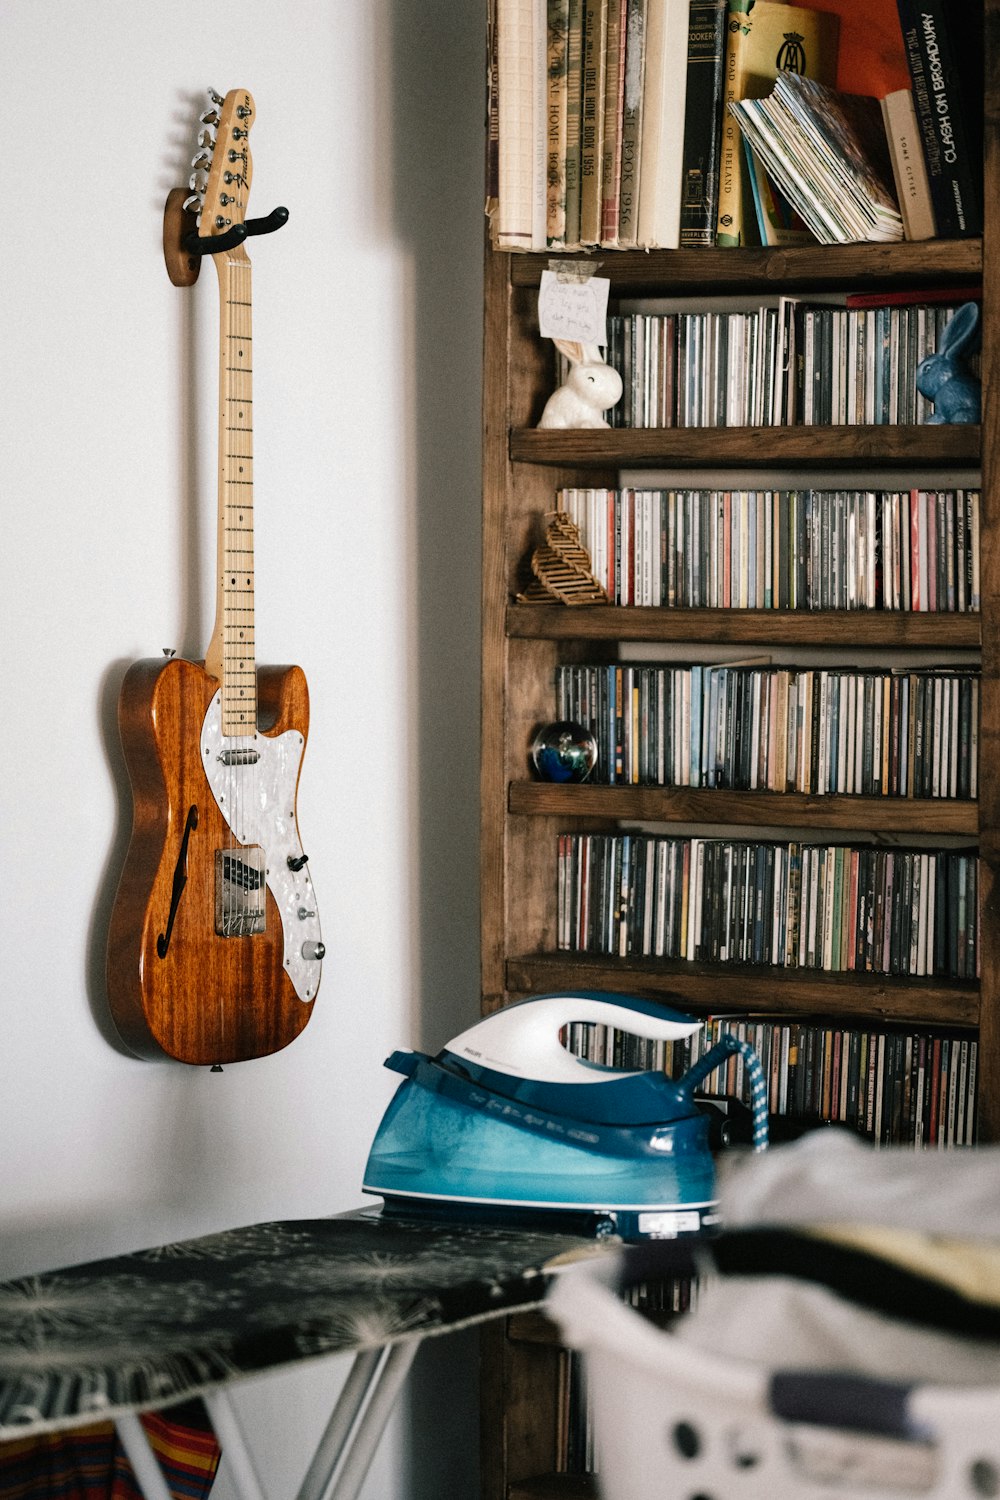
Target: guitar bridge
(240, 891)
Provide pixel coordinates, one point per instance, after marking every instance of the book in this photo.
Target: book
(870, 56)
(574, 109)
(557, 91)
(661, 144)
(706, 57)
(829, 155)
(595, 34)
(942, 52)
(909, 169)
(614, 101)
(777, 221)
(632, 107)
(491, 172)
(764, 39)
(917, 295)
(520, 215)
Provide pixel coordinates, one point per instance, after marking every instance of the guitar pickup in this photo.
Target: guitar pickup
(240, 891)
(239, 757)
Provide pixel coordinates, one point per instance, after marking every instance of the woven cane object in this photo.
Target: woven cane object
(561, 568)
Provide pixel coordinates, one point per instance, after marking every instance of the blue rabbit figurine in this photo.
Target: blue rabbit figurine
(942, 376)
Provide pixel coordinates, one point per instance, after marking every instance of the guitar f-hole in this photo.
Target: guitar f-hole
(180, 880)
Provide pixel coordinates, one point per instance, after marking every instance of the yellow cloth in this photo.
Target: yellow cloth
(968, 1267)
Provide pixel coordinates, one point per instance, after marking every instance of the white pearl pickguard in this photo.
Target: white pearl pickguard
(258, 804)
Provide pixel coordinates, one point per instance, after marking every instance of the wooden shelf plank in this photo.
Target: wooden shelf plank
(555, 1487)
(736, 447)
(724, 987)
(770, 809)
(532, 1328)
(607, 622)
(760, 270)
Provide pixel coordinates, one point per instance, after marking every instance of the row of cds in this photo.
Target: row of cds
(782, 549)
(774, 365)
(789, 905)
(891, 733)
(898, 1087)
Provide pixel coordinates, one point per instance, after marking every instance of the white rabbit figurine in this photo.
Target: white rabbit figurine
(590, 389)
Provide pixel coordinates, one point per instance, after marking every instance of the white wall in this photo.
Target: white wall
(367, 340)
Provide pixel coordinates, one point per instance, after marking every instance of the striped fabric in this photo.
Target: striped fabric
(88, 1463)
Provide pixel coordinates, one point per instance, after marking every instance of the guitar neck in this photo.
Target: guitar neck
(231, 654)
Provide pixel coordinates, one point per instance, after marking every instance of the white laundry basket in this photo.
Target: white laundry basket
(676, 1422)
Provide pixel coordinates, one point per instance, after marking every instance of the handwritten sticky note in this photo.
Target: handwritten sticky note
(573, 308)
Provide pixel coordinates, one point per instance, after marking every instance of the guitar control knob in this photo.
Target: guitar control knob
(296, 861)
(313, 950)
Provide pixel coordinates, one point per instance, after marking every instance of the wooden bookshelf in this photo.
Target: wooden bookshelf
(824, 448)
(869, 628)
(522, 645)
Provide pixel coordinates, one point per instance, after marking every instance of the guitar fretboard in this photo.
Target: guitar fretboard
(236, 567)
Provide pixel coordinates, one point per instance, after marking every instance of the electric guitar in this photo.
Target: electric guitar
(214, 950)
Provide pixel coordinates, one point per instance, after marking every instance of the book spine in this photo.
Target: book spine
(574, 108)
(614, 92)
(631, 156)
(944, 137)
(592, 130)
(909, 169)
(729, 225)
(514, 223)
(492, 157)
(706, 63)
(557, 75)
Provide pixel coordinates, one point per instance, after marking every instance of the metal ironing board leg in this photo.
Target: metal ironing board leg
(354, 1429)
(343, 1455)
(145, 1465)
(235, 1453)
(343, 1419)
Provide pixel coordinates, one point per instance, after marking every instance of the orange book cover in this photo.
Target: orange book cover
(870, 56)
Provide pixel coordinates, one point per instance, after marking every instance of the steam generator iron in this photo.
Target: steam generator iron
(506, 1124)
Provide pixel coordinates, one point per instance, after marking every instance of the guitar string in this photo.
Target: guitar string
(241, 422)
(234, 777)
(237, 563)
(227, 679)
(248, 650)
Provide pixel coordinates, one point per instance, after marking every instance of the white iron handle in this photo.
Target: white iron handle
(523, 1040)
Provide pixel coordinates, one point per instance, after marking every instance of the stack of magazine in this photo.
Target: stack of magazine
(827, 152)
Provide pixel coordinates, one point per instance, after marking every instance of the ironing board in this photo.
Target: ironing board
(113, 1338)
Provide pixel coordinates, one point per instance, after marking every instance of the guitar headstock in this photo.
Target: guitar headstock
(223, 166)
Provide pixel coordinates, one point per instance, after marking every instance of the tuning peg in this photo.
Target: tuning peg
(193, 205)
(210, 117)
(202, 161)
(195, 183)
(216, 97)
(206, 140)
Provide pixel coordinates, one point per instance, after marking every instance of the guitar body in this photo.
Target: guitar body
(213, 952)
